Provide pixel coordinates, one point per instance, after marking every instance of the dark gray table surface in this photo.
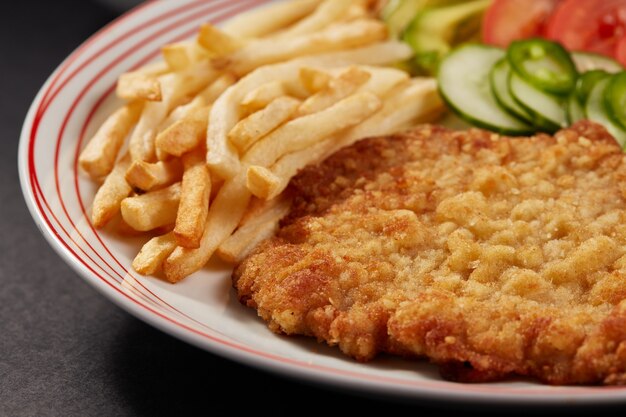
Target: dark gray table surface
(65, 349)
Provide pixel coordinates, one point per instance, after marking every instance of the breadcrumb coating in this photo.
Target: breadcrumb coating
(490, 256)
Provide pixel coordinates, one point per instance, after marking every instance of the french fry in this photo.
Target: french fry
(382, 80)
(409, 103)
(252, 128)
(182, 55)
(185, 134)
(142, 84)
(151, 210)
(259, 227)
(262, 181)
(338, 88)
(98, 157)
(153, 253)
(148, 176)
(269, 19)
(334, 38)
(216, 41)
(194, 200)
(217, 87)
(261, 96)
(379, 53)
(106, 203)
(314, 79)
(224, 215)
(222, 156)
(326, 13)
(175, 87)
(204, 98)
(308, 130)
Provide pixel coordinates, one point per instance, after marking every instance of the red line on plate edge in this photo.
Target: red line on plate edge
(40, 115)
(33, 176)
(211, 11)
(106, 29)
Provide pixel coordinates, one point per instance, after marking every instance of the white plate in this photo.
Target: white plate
(203, 309)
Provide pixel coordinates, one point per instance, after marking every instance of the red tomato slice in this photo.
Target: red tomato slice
(589, 25)
(620, 51)
(508, 20)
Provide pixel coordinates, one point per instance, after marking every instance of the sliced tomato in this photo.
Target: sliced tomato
(620, 51)
(509, 20)
(589, 25)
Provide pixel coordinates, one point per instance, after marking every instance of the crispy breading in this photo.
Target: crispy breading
(491, 256)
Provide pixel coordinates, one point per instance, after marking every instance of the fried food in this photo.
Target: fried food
(491, 256)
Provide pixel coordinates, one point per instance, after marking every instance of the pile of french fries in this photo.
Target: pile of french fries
(198, 157)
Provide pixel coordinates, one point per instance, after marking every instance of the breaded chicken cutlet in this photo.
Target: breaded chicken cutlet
(490, 256)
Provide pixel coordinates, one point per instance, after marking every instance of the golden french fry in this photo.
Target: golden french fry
(382, 80)
(409, 103)
(216, 41)
(308, 130)
(98, 157)
(148, 176)
(252, 128)
(378, 53)
(268, 19)
(194, 200)
(224, 215)
(217, 87)
(334, 38)
(153, 253)
(314, 79)
(106, 203)
(326, 13)
(261, 96)
(185, 134)
(259, 227)
(262, 181)
(151, 210)
(142, 84)
(357, 10)
(222, 156)
(338, 88)
(175, 88)
(182, 55)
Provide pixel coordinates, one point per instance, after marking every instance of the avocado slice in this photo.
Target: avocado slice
(435, 30)
(397, 14)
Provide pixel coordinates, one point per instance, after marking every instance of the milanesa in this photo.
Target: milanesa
(490, 256)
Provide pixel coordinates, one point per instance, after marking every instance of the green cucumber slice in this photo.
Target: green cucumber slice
(586, 82)
(587, 61)
(544, 64)
(547, 109)
(499, 79)
(464, 84)
(615, 97)
(575, 110)
(596, 111)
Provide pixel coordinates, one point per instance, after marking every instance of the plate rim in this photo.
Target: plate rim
(324, 375)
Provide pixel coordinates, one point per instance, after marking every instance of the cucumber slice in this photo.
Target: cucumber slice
(547, 109)
(615, 98)
(587, 61)
(499, 79)
(596, 111)
(464, 84)
(435, 30)
(586, 82)
(575, 110)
